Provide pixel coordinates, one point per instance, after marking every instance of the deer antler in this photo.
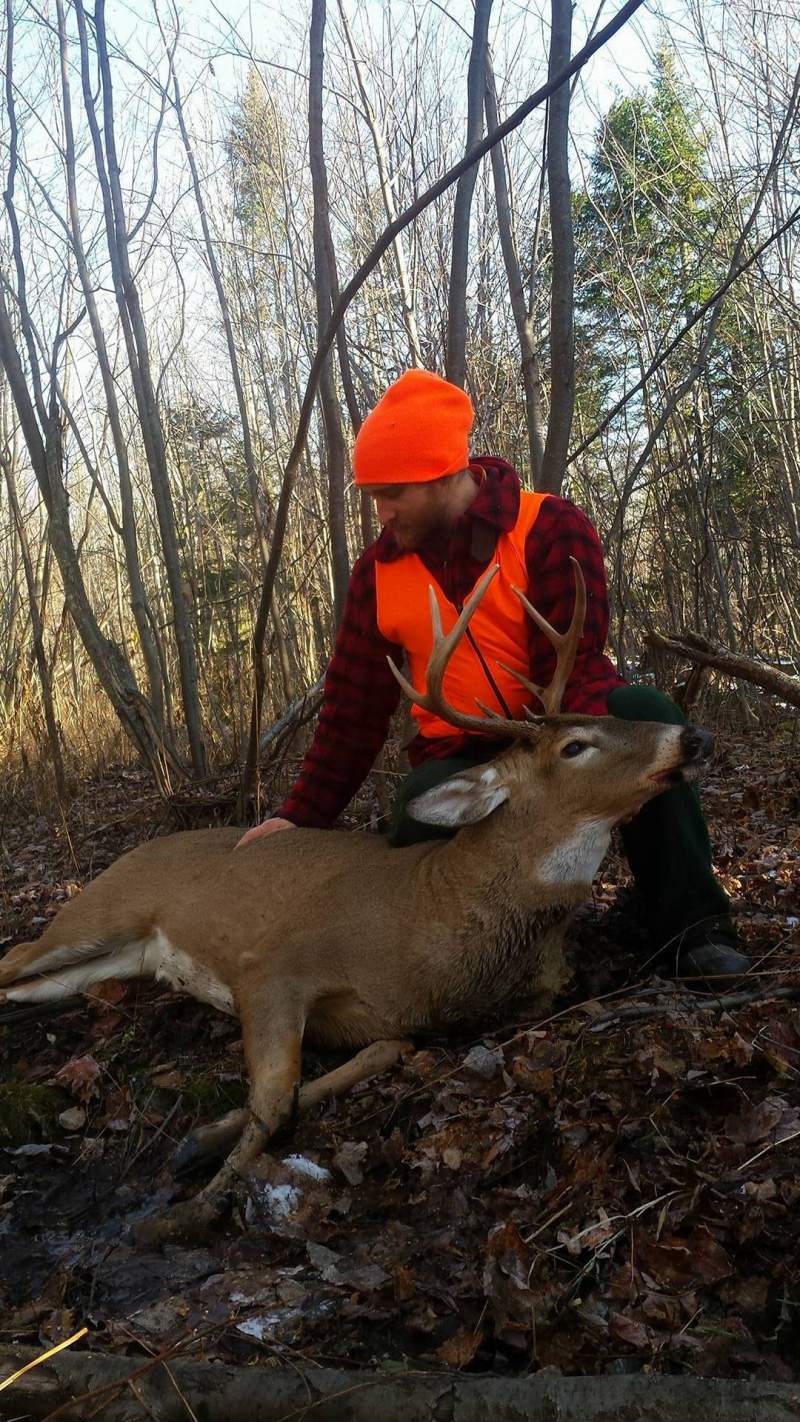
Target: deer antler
(566, 645)
(491, 722)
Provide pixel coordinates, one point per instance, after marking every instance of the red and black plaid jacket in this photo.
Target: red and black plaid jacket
(360, 692)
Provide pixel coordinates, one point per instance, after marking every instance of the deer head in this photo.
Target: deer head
(565, 769)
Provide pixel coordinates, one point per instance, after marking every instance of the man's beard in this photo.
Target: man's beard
(412, 538)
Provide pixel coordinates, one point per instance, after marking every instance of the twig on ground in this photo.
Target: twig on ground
(57, 1348)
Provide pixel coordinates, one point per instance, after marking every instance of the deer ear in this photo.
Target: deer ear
(464, 799)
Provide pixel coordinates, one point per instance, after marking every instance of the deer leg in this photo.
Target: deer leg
(272, 1037)
(214, 1139)
(207, 1142)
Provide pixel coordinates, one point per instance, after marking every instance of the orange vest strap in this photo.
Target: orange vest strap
(500, 626)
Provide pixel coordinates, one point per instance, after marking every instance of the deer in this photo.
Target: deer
(335, 937)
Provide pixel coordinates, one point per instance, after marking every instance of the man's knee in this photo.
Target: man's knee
(644, 703)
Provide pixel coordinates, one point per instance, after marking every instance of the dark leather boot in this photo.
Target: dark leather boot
(714, 963)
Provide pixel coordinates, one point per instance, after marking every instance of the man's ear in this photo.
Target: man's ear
(464, 799)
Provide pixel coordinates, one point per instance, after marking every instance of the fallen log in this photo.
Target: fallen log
(77, 1386)
(710, 654)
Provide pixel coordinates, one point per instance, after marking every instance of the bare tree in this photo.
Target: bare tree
(562, 353)
(380, 247)
(689, 466)
(136, 342)
(39, 418)
(37, 625)
(387, 192)
(456, 358)
(323, 246)
(138, 597)
(523, 314)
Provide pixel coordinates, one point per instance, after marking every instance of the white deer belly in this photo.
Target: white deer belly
(171, 965)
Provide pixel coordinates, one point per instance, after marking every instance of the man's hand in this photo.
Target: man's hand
(267, 827)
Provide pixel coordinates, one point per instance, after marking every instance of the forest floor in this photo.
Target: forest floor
(612, 1190)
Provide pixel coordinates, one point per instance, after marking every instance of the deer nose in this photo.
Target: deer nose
(695, 744)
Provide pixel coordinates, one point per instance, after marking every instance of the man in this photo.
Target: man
(444, 519)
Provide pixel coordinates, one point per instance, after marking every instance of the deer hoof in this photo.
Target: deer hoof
(187, 1153)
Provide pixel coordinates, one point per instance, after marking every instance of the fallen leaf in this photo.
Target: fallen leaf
(459, 1350)
(628, 1330)
(773, 1117)
(80, 1076)
(349, 1158)
(680, 1261)
(108, 993)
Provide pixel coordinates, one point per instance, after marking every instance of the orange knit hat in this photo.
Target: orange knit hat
(419, 430)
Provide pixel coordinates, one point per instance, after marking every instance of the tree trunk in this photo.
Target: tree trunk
(387, 194)
(138, 596)
(562, 353)
(456, 361)
(41, 431)
(37, 628)
(531, 370)
(334, 438)
(254, 483)
(171, 1388)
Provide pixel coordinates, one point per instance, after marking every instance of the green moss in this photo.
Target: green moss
(29, 1113)
(212, 1096)
(204, 1093)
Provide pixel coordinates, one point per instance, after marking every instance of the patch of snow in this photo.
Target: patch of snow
(303, 1166)
(280, 1200)
(484, 1061)
(263, 1325)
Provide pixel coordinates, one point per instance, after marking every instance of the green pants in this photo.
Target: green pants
(667, 844)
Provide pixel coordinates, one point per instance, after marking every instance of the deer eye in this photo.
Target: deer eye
(573, 748)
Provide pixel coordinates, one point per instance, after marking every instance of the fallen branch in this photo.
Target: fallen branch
(295, 715)
(710, 654)
(708, 1002)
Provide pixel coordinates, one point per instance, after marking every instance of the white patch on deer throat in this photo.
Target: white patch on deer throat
(577, 859)
(183, 972)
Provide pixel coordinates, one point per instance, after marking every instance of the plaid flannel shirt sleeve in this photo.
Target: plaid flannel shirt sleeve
(359, 700)
(562, 531)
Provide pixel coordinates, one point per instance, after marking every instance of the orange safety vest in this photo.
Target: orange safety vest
(500, 626)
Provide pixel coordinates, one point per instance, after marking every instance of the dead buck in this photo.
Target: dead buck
(337, 936)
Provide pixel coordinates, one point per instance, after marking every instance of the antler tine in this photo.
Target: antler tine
(444, 646)
(432, 699)
(565, 644)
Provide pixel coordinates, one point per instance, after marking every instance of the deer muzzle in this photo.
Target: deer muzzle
(696, 745)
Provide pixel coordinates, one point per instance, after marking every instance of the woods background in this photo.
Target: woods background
(183, 200)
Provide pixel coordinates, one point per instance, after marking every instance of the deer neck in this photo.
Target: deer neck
(496, 907)
(538, 869)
